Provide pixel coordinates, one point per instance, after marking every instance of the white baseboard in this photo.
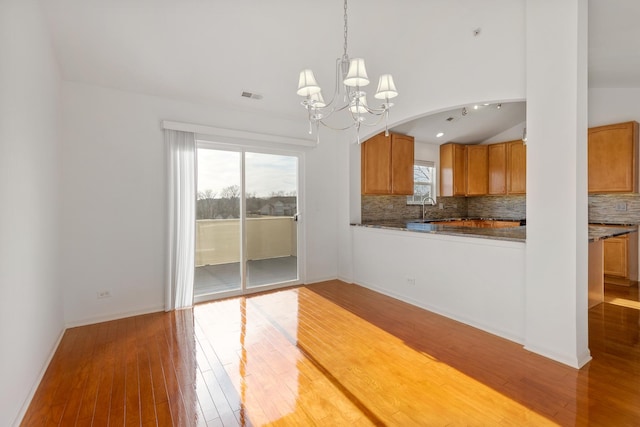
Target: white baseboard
(115, 316)
(34, 387)
(445, 313)
(319, 279)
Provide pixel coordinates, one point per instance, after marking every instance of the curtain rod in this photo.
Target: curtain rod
(235, 134)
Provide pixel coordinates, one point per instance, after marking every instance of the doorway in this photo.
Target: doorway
(246, 221)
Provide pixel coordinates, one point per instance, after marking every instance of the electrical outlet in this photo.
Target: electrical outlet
(621, 206)
(104, 294)
(411, 281)
(441, 206)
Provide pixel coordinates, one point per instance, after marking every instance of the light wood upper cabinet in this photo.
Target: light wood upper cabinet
(402, 160)
(477, 170)
(516, 167)
(497, 161)
(613, 158)
(453, 165)
(387, 164)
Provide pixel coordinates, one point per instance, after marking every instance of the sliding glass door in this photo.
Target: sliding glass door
(271, 211)
(246, 222)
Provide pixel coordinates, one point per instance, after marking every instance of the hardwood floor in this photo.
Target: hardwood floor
(333, 354)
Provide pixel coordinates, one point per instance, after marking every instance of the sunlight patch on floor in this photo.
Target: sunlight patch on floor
(622, 302)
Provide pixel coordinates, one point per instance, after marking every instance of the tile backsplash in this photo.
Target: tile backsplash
(603, 208)
(503, 207)
(378, 208)
(614, 208)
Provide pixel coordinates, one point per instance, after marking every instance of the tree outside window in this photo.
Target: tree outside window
(424, 182)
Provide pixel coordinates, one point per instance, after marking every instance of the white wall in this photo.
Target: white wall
(113, 197)
(476, 281)
(616, 105)
(556, 297)
(31, 318)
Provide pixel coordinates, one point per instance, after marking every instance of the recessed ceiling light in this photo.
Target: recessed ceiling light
(475, 107)
(486, 104)
(439, 134)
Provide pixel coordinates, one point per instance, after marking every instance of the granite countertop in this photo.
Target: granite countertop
(515, 234)
(599, 232)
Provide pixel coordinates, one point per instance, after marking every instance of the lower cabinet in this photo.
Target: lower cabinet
(621, 259)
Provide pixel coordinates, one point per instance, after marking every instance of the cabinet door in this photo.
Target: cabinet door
(613, 156)
(497, 168)
(459, 170)
(446, 170)
(615, 256)
(516, 167)
(376, 165)
(453, 170)
(477, 170)
(402, 159)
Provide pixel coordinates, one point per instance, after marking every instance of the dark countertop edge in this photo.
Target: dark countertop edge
(596, 232)
(609, 230)
(463, 218)
(614, 224)
(450, 231)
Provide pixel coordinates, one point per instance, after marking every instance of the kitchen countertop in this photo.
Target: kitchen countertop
(516, 234)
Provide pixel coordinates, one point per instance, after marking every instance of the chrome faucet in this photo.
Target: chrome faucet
(424, 200)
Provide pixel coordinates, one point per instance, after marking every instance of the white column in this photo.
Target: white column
(557, 248)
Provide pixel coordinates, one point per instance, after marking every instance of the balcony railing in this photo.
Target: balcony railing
(218, 240)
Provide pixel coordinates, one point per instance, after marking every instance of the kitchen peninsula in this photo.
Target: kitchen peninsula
(471, 274)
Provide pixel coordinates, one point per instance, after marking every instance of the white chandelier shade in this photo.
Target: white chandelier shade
(357, 75)
(386, 87)
(307, 84)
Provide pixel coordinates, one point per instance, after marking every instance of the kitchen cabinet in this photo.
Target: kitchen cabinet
(621, 259)
(477, 170)
(497, 164)
(516, 171)
(387, 164)
(453, 170)
(613, 158)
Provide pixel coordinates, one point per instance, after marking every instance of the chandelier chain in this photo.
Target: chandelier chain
(346, 30)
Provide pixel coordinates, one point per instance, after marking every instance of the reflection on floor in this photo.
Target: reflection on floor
(226, 277)
(332, 354)
(625, 296)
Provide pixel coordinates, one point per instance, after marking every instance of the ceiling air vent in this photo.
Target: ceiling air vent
(251, 95)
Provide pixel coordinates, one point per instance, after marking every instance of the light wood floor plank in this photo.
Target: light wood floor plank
(333, 354)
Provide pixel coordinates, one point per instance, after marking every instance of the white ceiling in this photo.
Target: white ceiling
(210, 51)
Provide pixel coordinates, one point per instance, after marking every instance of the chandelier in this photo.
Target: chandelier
(351, 77)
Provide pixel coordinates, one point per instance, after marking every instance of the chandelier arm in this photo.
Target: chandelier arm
(328, 112)
(376, 111)
(335, 128)
(380, 117)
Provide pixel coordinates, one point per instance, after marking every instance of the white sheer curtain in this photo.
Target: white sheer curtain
(181, 155)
